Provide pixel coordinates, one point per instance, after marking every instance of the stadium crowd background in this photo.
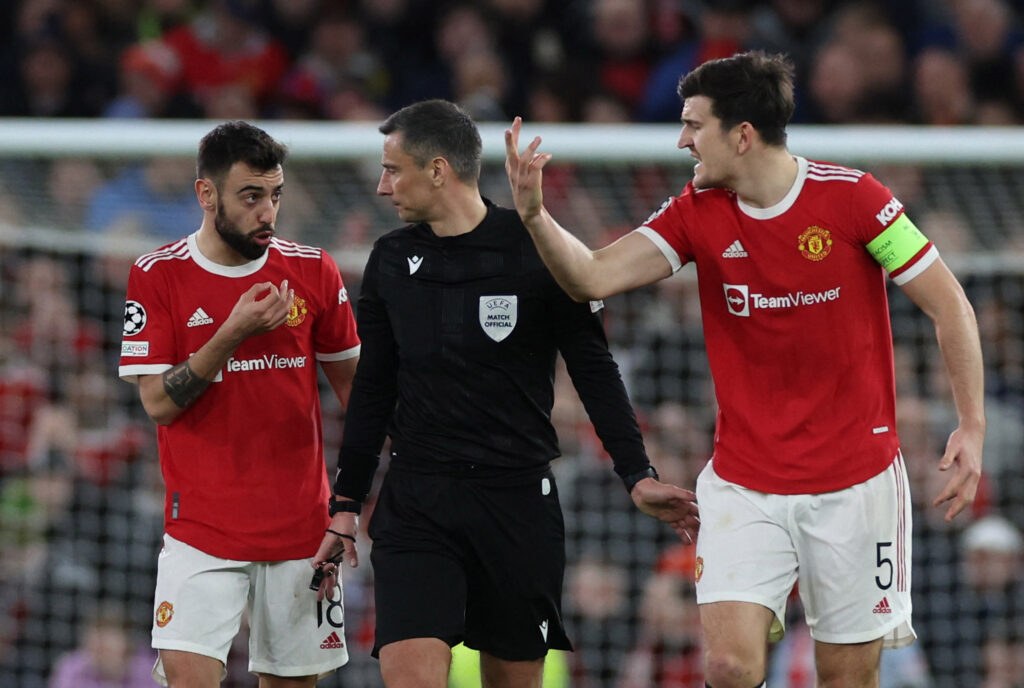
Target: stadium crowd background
(922, 61)
(80, 490)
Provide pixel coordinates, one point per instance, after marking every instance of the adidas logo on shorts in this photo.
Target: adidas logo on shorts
(332, 642)
(883, 607)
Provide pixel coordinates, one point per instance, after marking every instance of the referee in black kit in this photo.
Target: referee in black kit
(460, 323)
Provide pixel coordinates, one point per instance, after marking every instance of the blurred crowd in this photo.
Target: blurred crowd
(80, 490)
(913, 61)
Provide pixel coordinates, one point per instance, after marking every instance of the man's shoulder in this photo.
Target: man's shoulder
(823, 170)
(293, 249)
(167, 256)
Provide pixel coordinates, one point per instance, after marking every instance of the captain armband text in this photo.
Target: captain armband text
(183, 385)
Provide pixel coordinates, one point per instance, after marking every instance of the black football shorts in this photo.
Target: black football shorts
(476, 554)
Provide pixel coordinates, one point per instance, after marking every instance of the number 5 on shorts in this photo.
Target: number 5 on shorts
(883, 561)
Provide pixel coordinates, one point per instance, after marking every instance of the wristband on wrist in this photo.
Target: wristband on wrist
(335, 506)
(632, 479)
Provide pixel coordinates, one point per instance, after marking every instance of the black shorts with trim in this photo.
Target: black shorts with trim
(474, 554)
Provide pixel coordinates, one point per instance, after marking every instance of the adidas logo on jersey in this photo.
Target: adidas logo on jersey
(735, 250)
(332, 642)
(883, 607)
(199, 318)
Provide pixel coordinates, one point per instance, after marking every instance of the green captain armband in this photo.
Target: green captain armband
(900, 242)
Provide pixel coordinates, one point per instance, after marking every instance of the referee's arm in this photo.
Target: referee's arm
(582, 342)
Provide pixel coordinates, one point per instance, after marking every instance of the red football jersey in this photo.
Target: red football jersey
(244, 465)
(796, 324)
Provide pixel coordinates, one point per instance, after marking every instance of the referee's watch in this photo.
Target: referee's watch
(335, 506)
(632, 479)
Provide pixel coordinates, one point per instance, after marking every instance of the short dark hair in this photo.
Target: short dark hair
(233, 142)
(438, 128)
(753, 87)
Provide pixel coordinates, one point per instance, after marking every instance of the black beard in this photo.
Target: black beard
(239, 242)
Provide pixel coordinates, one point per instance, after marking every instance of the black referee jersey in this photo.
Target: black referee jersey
(459, 336)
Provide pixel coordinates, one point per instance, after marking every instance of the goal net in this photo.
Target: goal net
(81, 498)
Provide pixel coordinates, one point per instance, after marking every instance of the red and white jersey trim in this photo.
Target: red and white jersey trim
(176, 251)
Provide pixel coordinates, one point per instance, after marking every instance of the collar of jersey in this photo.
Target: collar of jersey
(787, 201)
(205, 263)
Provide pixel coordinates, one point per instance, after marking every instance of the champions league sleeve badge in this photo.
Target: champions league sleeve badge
(134, 318)
(498, 315)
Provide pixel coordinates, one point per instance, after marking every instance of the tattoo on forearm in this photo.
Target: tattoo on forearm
(183, 386)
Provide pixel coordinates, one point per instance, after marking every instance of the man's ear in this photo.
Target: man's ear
(206, 193)
(746, 135)
(439, 171)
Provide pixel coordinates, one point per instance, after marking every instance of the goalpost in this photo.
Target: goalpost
(80, 495)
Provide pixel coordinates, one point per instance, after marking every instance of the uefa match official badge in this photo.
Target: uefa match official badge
(297, 313)
(164, 613)
(498, 315)
(815, 243)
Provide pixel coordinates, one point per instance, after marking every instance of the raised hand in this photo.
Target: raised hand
(524, 172)
(262, 308)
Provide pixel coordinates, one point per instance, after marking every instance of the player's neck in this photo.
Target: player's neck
(215, 249)
(767, 178)
(461, 212)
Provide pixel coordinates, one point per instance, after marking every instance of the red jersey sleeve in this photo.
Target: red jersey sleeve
(334, 335)
(887, 233)
(148, 343)
(669, 229)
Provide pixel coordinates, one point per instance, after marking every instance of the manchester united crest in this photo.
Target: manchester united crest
(815, 243)
(164, 613)
(698, 569)
(297, 313)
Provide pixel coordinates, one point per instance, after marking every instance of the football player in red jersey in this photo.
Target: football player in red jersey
(223, 332)
(806, 479)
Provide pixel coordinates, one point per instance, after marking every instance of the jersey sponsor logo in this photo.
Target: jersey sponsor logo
(200, 317)
(297, 313)
(414, 263)
(164, 614)
(891, 210)
(815, 243)
(498, 315)
(342, 296)
(740, 301)
(134, 318)
(737, 299)
(735, 250)
(698, 569)
(544, 629)
(265, 362)
(134, 349)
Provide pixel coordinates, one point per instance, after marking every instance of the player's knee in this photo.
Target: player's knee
(410, 677)
(727, 669)
(848, 677)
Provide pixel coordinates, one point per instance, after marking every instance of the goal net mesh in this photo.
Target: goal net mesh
(81, 492)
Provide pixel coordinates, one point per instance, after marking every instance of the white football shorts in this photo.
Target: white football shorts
(849, 549)
(200, 600)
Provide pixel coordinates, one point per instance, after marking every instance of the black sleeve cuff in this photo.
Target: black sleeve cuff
(632, 479)
(355, 474)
